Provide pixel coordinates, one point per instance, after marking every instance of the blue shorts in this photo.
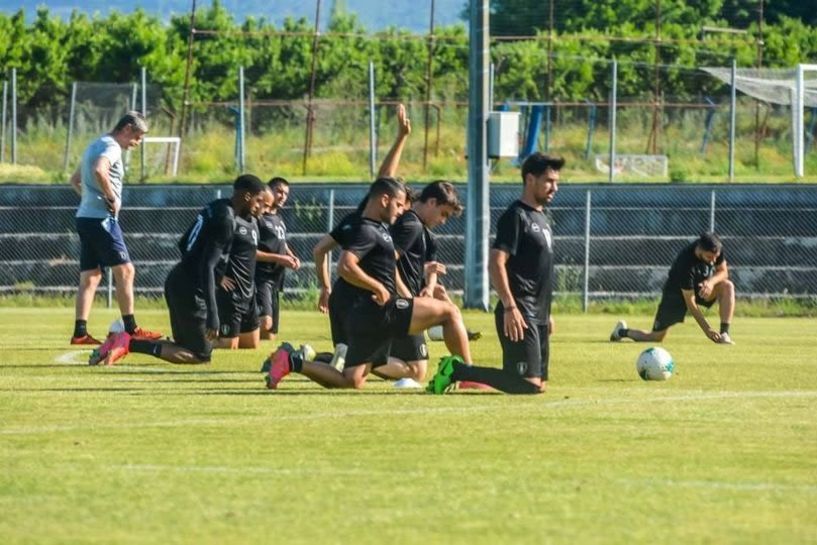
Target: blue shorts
(101, 243)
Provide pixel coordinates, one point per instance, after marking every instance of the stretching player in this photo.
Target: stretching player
(190, 288)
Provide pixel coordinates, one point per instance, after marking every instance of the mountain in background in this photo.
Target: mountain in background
(374, 14)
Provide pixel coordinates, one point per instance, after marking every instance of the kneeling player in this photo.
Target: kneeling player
(190, 289)
(698, 278)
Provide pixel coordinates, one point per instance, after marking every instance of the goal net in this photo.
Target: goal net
(795, 87)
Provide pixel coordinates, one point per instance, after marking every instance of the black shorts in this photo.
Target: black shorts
(268, 301)
(188, 315)
(528, 358)
(372, 327)
(672, 310)
(235, 314)
(340, 304)
(101, 243)
(410, 348)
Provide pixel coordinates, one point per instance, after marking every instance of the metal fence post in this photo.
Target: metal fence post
(612, 117)
(142, 175)
(70, 126)
(330, 224)
(3, 125)
(13, 116)
(372, 131)
(240, 119)
(586, 287)
(712, 212)
(732, 109)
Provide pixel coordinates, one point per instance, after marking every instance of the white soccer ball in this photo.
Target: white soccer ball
(117, 326)
(654, 364)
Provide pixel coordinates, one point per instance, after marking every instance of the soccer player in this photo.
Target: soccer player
(98, 182)
(368, 263)
(273, 258)
(521, 271)
(190, 288)
(699, 277)
(416, 248)
(235, 294)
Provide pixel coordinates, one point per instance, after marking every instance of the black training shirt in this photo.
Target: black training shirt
(525, 234)
(688, 271)
(416, 246)
(241, 265)
(371, 242)
(272, 238)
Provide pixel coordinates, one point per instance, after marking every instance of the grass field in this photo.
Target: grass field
(146, 452)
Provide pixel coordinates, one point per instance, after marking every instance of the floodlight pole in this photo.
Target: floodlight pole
(612, 117)
(187, 71)
(3, 124)
(477, 211)
(145, 115)
(13, 116)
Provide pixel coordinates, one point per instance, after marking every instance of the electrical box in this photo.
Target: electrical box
(503, 134)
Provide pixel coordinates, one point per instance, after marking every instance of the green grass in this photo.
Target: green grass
(147, 452)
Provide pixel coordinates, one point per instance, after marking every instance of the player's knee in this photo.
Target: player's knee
(452, 312)
(418, 370)
(727, 287)
(125, 272)
(658, 336)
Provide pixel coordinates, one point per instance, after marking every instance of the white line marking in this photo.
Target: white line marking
(70, 358)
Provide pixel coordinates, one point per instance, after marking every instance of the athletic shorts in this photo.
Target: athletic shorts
(372, 328)
(101, 243)
(188, 315)
(339, 307)
(267, 299)
(235, 314)
(528, 358)
(672, 310)
(410, 348)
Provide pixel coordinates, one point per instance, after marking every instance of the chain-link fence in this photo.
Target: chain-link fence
(610, 241)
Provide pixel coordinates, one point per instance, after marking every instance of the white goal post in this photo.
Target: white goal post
(175, 141)
(798, 117)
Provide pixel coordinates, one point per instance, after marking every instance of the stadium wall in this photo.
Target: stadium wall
(769, 231)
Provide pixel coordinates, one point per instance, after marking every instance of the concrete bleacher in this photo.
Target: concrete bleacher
(770, 232)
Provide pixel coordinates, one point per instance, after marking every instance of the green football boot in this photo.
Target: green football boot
(442, 379)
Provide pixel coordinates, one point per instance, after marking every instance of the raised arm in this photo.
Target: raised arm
(392, 159)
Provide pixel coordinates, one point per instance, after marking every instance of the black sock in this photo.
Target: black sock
(130, 323)
(496, 378)
(139, 346)
(623, 332)
(80, 328)
(724, 328)
(296, 362)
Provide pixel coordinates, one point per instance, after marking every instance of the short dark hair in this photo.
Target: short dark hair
(387, 185)
(537, 163)
(710, 242)
(277, 180)
(250, 183)
(444, 193)
(134, 119)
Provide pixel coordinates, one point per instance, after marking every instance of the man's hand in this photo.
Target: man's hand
(705, 289)
(114, 205)
(713, 335)
(381, 296)
(323, 300)
(434, 267)
(403, 122)
(227, 283)
(551, 325)
(514, 324)
(290, 262)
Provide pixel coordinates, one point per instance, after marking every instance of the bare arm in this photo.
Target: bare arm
(76, 182)
(514, 326)
(285, 260)
(349, 269)
(695, 310)
(102, 169)
(320, 254)
(392, 159)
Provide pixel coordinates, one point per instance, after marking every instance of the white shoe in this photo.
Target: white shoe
(616, 334)
(339, 357)
(307, 352)
(725, 339)
(407, 383)
(435, 333)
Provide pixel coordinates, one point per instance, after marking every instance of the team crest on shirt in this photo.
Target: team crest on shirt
(535, 227)
(242, 230)
(402, 304)
(424, 350)
(386, 236)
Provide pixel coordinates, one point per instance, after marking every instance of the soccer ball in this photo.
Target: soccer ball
(117, 326)
(654, 364)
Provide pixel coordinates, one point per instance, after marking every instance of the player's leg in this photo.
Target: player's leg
(263, 298)
(230, 314)
(408, 359)
(671, 311)
(89, 277)
(286, 360)
(724, 294)
(249, 332)
(435, 333)
(427, 312)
